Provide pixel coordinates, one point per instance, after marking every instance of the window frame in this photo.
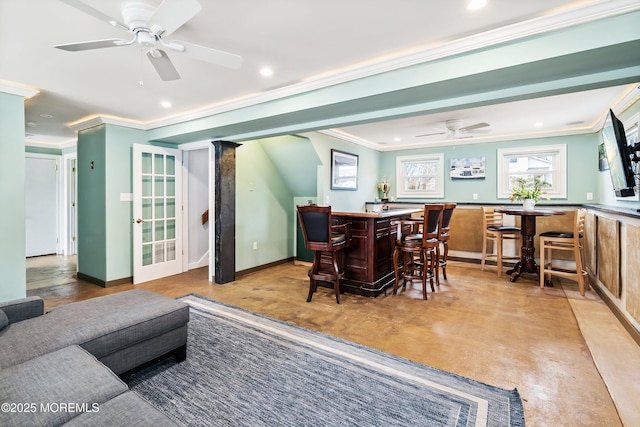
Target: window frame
(438, 158)
(559, 168)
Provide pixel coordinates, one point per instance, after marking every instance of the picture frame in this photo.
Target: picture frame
(468, 168)
(344, 170)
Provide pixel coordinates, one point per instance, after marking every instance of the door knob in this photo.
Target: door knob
(139, 220)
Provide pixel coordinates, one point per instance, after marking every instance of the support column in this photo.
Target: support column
(225, 211)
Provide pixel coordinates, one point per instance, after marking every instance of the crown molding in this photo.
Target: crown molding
(561, 20)
(536, 26)
(17, 89)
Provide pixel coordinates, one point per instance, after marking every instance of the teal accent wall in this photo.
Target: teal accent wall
(104, 222)
(119, 215)
(13, 281)
(582, 164)
(92, 210)
(369, 174)
(263, 209)
(43, 150)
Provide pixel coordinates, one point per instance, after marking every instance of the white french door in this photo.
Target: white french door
(157, 212)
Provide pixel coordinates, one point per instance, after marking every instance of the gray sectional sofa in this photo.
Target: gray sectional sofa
(62, 367)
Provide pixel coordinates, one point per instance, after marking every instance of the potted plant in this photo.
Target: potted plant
(529, 191)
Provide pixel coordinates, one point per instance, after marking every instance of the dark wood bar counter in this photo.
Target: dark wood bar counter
(368, 260)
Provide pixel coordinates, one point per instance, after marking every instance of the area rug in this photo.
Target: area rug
(245, 369)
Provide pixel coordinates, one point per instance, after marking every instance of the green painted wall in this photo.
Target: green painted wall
(104, 222)
(582, 159)
(43, 150)
(13, 283)
(119, 225)
(92, 233)
(368, 174)
(263, 209)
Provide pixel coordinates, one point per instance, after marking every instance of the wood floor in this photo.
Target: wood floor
(510, 335)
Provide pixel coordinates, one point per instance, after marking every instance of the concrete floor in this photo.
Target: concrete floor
(567, 355)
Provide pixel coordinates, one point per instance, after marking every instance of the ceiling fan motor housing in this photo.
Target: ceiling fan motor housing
(136, 15)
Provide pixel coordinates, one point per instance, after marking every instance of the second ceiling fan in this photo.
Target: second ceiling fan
(148, 26)
(455, 129)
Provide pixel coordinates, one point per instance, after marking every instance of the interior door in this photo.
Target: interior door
(41, 205)
(157, 212)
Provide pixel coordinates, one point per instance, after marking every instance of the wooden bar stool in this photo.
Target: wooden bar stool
(565, 241)
(496, 231)
(443, 239)
(325, 240)
(414, 255)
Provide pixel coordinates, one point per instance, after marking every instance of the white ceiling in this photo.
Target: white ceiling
(303, 41)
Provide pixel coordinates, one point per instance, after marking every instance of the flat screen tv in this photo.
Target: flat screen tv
(618, 155)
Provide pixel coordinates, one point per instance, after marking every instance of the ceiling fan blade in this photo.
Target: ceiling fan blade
(95, 13)
(94, 44)
(431, 134)
(172, 14)
(207, 54)
(474, 127)
(163, 65)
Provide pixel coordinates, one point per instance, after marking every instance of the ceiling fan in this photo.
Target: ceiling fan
(455, 129)
(149, 25)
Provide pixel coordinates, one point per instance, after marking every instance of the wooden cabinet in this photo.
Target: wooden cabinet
(368, 260)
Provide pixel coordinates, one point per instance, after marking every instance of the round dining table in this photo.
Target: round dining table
(527, 263)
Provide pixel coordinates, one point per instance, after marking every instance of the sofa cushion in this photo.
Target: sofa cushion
(4, 320)
(127, 409)
(102, 325)
(56, 387)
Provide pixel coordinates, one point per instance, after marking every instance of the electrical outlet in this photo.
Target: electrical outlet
(475, 196)
(589, 196)
(255, 246)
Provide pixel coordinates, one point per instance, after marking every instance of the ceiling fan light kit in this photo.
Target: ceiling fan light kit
(149, 25)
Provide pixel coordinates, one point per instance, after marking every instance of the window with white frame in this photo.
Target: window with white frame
(420, 176)
(548, 162)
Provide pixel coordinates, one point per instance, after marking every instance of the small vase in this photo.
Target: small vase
(529, 204)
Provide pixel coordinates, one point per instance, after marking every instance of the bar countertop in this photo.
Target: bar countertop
(383, 214)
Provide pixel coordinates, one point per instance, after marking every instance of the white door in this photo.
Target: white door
(157, 212)
(41, 205)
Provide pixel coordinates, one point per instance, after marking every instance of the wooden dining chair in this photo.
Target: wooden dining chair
(573, 241)
(325, 240)
(415, 253)
(495, 231)
(443, 239)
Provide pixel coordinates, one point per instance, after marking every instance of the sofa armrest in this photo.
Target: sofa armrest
(22, 309)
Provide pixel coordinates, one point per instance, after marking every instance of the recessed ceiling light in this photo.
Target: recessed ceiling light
(31, 124)
(476, 4)
(266, 72)
(538, 124)
(46, 116)
(165, 104)
(397, 139)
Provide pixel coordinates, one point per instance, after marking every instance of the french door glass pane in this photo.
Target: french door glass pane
(159, 230)
(159, 207)
(158, 164)
(171, 165)
(147, 255)
(146, 186)
(171, 186)
(146, 163)
(146, 232)
(171, 229)
(159, 186)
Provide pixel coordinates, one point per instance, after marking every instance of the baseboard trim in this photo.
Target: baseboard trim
(635, 334)
(264, 266)
(104, 284)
